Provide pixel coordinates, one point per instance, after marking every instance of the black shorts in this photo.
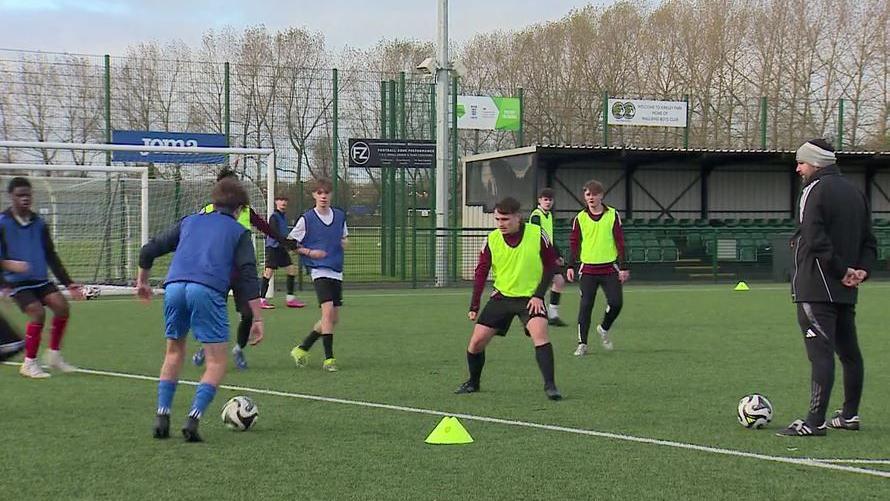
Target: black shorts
(328, 290)
(29, 295)
(277, 257)
(499, 312)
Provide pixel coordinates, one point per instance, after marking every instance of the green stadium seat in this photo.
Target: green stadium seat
(746, 222)
(669, 251)
(654, 255)
(693, 240)
(747, 250)
(636, 254)
(653, 250)
(747, 254)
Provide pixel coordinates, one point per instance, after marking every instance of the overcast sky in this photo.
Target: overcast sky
(109, 26)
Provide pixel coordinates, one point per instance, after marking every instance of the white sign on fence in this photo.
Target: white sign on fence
(647, 113)
(488, 112)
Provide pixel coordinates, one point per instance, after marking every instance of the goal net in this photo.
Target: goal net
(100, 216)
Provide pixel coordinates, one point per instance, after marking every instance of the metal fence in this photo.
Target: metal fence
(308, 114)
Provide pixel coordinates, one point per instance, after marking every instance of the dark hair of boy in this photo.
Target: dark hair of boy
(17, 182)
(322, 184)
(595, 187)
(226, 172)
(508, 205)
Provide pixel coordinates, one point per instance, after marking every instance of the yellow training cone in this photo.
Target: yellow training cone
(742, 286)
(449, 431)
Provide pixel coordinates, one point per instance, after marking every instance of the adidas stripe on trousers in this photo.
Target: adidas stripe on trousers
(830, 328)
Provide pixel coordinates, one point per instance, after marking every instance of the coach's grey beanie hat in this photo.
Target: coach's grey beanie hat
(816, 152)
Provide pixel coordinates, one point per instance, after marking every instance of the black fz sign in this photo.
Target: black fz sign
(403, 153)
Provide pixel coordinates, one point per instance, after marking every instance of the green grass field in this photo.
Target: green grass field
(683, 357)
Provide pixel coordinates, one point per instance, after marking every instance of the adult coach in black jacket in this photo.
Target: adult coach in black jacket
(834, 250)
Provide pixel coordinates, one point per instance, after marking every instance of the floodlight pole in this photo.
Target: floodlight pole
(442, 70)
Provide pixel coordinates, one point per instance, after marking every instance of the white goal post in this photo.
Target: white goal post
(116, 208)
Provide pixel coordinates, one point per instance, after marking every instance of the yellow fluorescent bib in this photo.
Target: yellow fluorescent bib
(243, 217)
(546, 222)
(597, 243)
(517, 270)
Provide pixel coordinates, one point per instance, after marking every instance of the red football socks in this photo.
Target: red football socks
(32, 339)
(58, 330)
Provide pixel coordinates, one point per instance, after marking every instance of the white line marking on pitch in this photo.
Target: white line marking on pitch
(525, 424)
(644, 289)
(854, 461)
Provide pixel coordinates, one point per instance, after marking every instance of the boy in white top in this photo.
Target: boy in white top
(324, 227)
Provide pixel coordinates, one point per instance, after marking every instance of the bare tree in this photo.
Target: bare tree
(81, 104)
(307, 96)
(36, 89)
(8, 113)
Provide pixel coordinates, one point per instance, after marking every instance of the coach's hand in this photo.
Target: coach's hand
(76, 291)
(143, 292)
(316, 254)
(536, 306)
(623, 275)
(472, 315)
(256, 332)
(570, 274)
(850, 279)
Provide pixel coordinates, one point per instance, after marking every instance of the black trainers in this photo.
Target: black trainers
(841, 423)
(467, 387)
(556, 322)
(162, 426)
(190, 430)
(800, 428)
(552, 392)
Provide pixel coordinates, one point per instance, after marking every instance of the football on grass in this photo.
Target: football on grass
(239, 413)
(755, 411)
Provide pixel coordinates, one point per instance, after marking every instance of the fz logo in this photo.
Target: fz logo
(360, 153)
(624, 110)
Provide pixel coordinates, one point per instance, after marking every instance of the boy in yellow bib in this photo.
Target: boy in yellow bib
(543, 217)
(523, 262)
(597, 243)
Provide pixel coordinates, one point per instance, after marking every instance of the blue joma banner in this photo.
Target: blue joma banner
(173, 139)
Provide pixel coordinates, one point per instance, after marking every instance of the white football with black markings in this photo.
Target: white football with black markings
(755, 411)
(240, 413)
